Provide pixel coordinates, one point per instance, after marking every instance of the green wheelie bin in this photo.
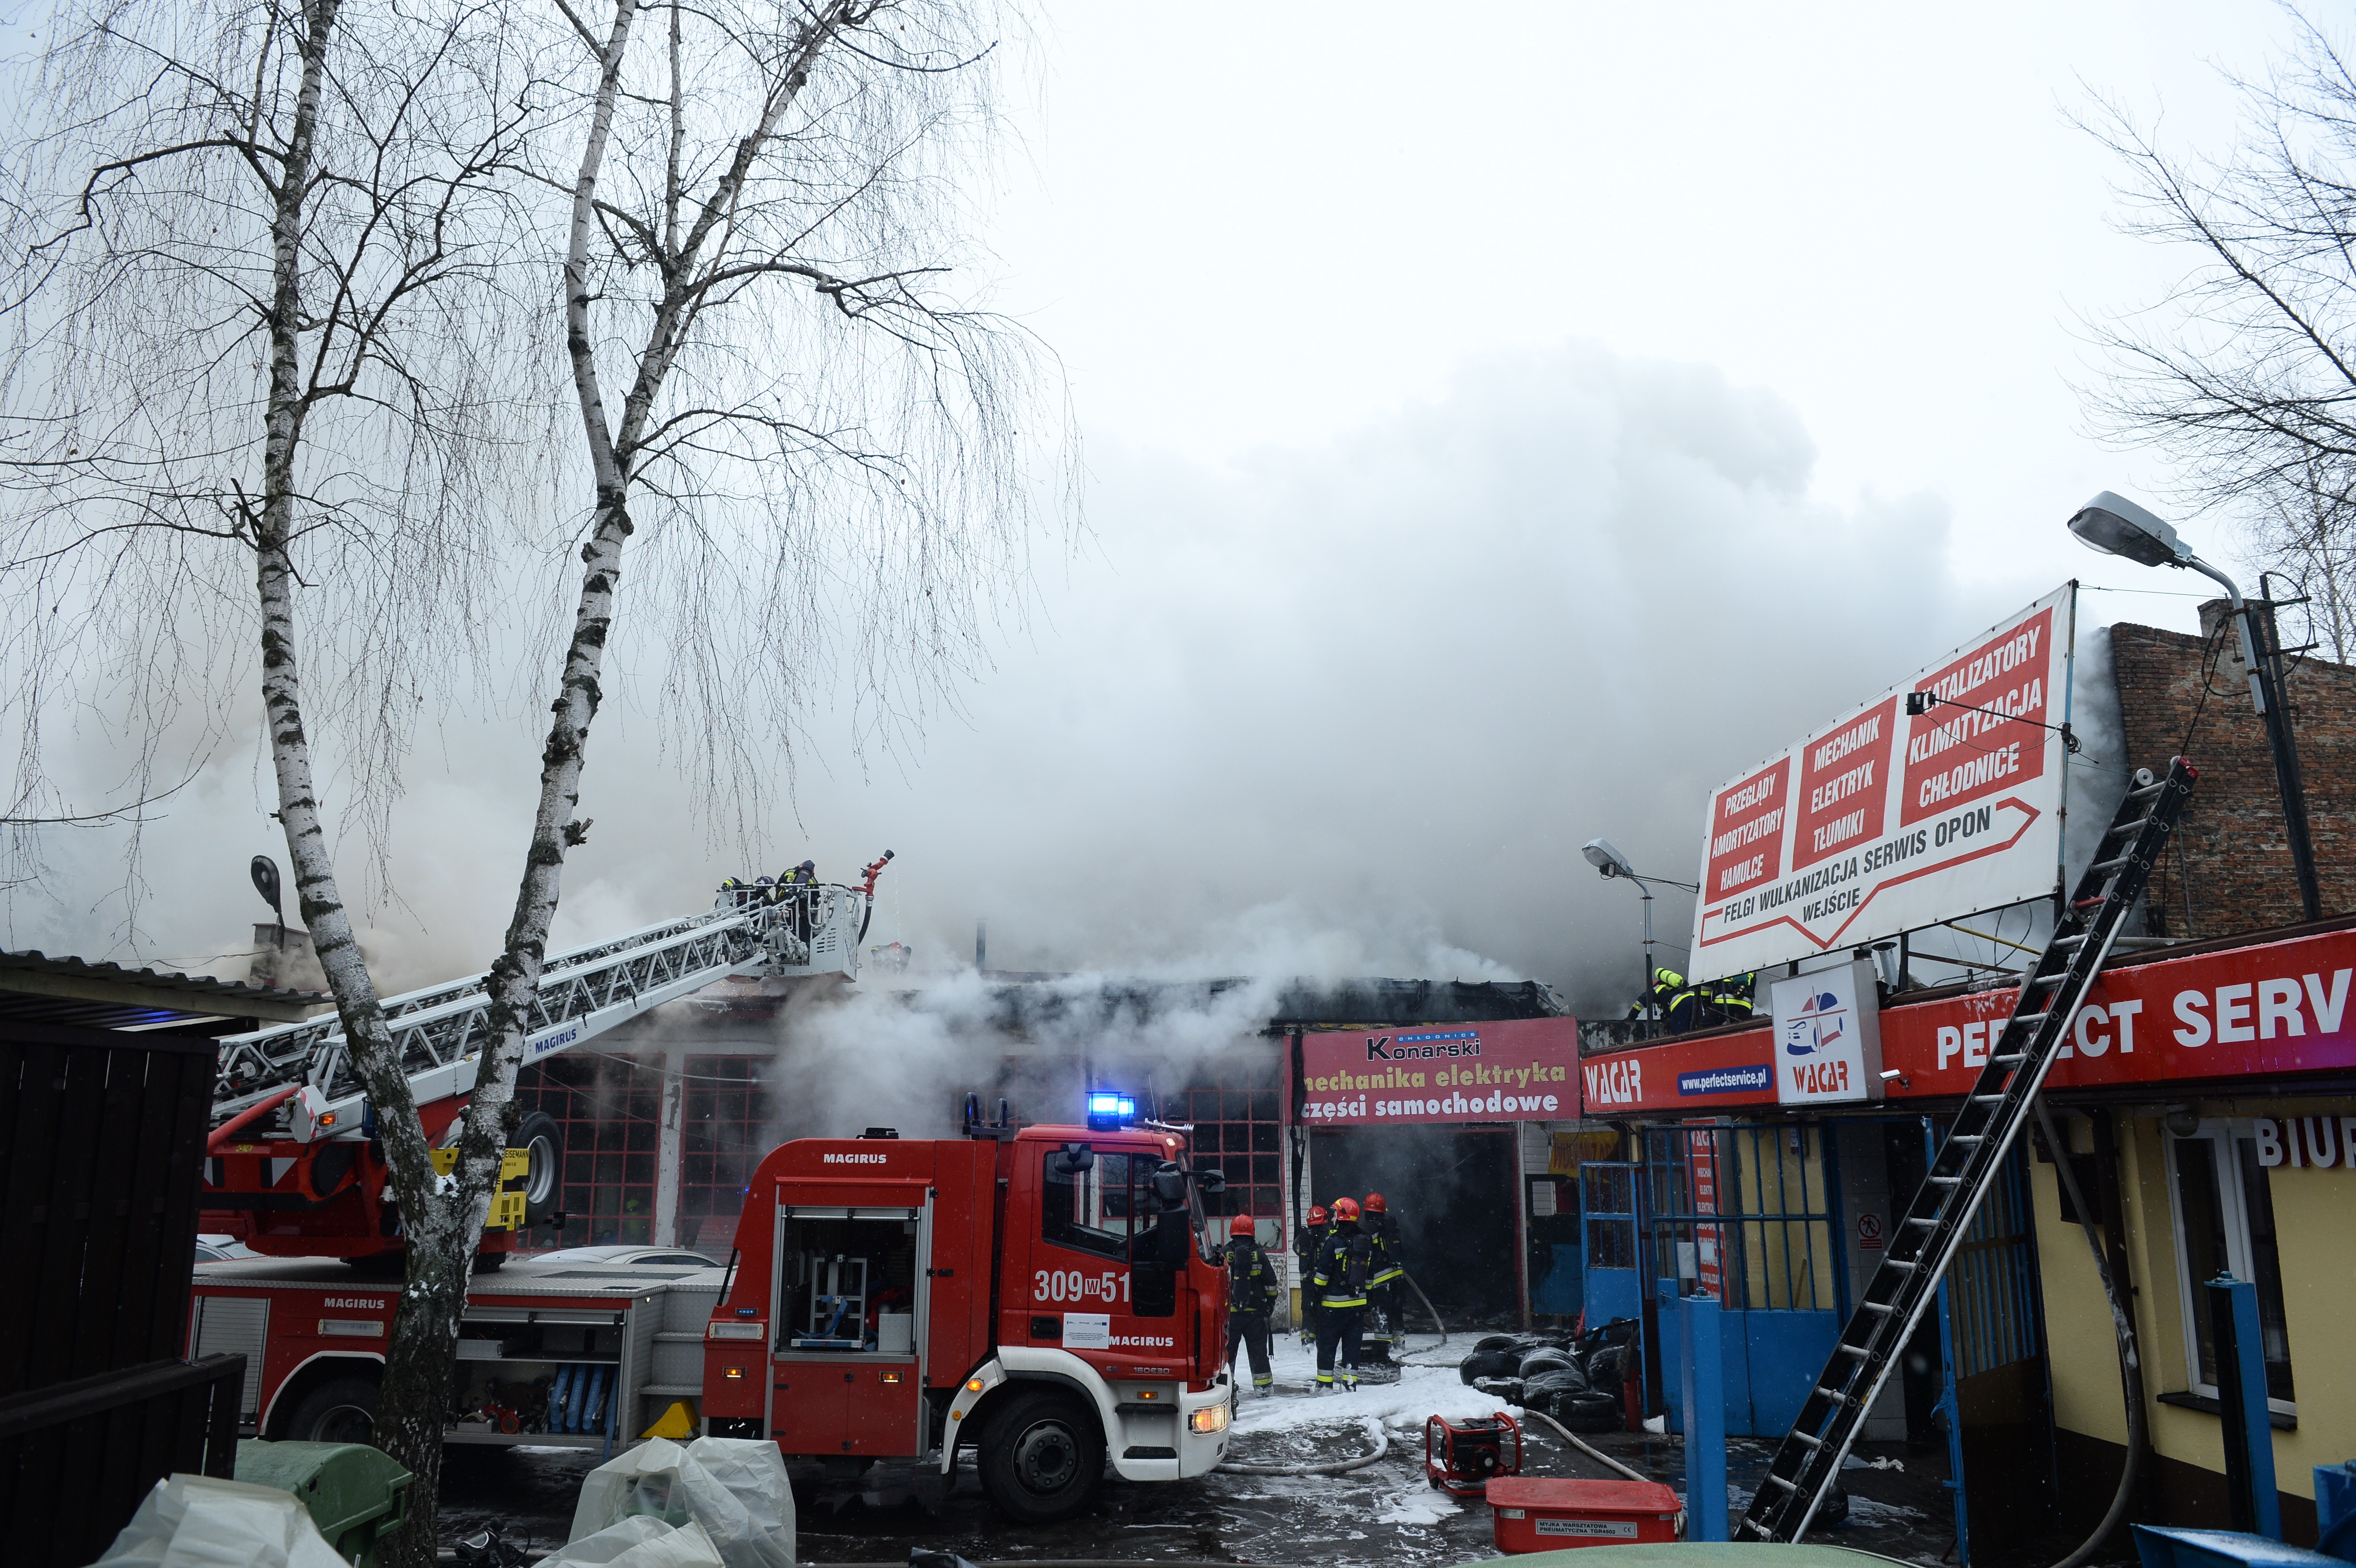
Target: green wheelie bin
(356, 1495)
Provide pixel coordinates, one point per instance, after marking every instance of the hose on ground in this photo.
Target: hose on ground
(1592, 1452)
(2130, 1370)
(1336, 1467)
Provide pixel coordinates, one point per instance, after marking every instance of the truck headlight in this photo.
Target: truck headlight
(1210, 1418)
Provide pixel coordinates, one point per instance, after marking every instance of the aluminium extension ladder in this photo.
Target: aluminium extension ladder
(2002, 1101)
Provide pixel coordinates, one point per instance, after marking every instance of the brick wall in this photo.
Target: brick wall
(2233, 863)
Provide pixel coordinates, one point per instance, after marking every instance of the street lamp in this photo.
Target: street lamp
(2116, 525)
(1611, 863)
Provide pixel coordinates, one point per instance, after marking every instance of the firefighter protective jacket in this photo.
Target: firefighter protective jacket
(1343, 1265)
(1306, 1242)
(1251, 1278)
(1390, 1249)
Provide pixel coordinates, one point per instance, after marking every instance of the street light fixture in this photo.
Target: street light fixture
(2116, 526)
(1611, 863)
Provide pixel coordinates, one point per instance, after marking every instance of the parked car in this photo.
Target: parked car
(626, 1258)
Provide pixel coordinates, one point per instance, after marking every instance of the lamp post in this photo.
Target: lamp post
(2116, 525)
(1613, 863)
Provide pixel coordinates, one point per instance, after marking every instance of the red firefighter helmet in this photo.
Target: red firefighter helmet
(1240, 1225)
(1375, 1203)
(1345, 1210)
(1316, 1214)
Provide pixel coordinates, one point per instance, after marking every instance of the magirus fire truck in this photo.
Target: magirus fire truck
(1037, 1294)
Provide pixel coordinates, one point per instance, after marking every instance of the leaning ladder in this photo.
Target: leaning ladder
(2001, 1102)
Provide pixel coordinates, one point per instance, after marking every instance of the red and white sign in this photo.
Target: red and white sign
(1521, 1069)
(1882, 823)
(1868, 1233)
(1702, 1164)
(2267, 1010)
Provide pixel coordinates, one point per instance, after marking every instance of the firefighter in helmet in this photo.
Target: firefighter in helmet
(1386, 1281)
(1657, 1001)
(1344, 1263)
(1305, 1243)
(1252, 1292)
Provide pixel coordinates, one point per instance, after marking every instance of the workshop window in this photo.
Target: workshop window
(2224, 1217)
(1237, 1134)
(607, 1107)
(724, 1116)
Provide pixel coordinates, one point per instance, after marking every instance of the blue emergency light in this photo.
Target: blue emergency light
(1107, 1111)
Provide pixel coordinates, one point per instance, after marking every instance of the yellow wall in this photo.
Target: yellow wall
(2315, 1216)
(1789, 1261)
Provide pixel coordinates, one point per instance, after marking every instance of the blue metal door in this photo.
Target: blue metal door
(1608, 1232)
(1742, 1213)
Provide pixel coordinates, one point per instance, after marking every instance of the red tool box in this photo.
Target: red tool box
(1534, 1513)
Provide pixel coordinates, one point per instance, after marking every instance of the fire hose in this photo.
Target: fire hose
(2130, 1367)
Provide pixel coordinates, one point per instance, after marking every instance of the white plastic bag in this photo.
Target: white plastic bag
(641, 1541)
(745, 1505)
(199, 1522)
(755, 1473)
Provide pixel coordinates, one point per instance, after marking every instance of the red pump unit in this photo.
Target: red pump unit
(1463, 1456)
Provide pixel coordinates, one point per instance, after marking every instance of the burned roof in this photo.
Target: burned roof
(35, 987)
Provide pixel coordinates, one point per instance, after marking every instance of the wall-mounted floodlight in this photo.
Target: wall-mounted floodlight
(2116, 526)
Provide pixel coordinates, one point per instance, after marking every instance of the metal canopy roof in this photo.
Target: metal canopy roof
(66, 990)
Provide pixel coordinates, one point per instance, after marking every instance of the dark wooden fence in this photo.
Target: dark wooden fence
(101, 1141)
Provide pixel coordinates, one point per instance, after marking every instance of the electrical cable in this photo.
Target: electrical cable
(2130, 1370)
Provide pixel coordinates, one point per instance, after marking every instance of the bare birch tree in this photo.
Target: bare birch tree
(2244, 374)
(271, 258)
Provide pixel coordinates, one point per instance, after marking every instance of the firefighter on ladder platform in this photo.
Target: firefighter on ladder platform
(1386, 1281)
(1343, 1264)
(1251, 1293)
(1305, 1244)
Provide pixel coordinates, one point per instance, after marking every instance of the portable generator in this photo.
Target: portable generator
(1462, 1457)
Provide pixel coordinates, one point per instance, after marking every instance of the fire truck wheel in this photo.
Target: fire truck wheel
(544, 1183)
(1044, 1458)
(340, 1410)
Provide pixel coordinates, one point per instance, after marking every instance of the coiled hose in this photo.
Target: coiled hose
(2130, 1369)
(1336, 1467)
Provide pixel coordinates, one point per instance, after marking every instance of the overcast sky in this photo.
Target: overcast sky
(1496, 435)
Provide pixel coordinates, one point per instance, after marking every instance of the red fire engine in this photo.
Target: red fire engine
(1038, 1294)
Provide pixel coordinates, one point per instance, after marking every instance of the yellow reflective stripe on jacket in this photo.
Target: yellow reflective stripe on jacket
(1343, 1301)
(1388, 1275)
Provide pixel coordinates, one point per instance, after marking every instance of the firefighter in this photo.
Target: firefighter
(1304, 1249)
(1656, 1003)
(1340, 1280)
(1385, 1280)
(1252, 1292)
(1732, 999)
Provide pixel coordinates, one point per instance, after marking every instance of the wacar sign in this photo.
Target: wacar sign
(1884, 821)
(1523, 1070)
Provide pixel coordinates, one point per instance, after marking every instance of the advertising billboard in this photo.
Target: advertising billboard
(1521, 1069)
(1888, 820)
(1827, 1036)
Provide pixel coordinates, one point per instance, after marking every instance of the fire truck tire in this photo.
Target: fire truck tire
(340, 1410)
(543, 1183)
(1044, 1458)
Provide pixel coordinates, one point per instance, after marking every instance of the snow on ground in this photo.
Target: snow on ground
(1399, 1407)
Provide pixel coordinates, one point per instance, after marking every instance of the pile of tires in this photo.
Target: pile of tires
(1578, 1383)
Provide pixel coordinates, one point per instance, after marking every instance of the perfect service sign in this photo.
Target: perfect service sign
(1885, 822)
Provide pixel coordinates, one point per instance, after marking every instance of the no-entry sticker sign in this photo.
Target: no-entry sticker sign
(1521, 1069)
(1884, 821)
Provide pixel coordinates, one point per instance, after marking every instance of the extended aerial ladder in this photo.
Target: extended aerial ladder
(2001, 1102)
(283, 1095)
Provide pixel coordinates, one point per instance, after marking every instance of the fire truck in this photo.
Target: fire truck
(1038, 1295)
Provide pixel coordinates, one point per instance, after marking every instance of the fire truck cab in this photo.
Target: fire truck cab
(1039, 1296)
